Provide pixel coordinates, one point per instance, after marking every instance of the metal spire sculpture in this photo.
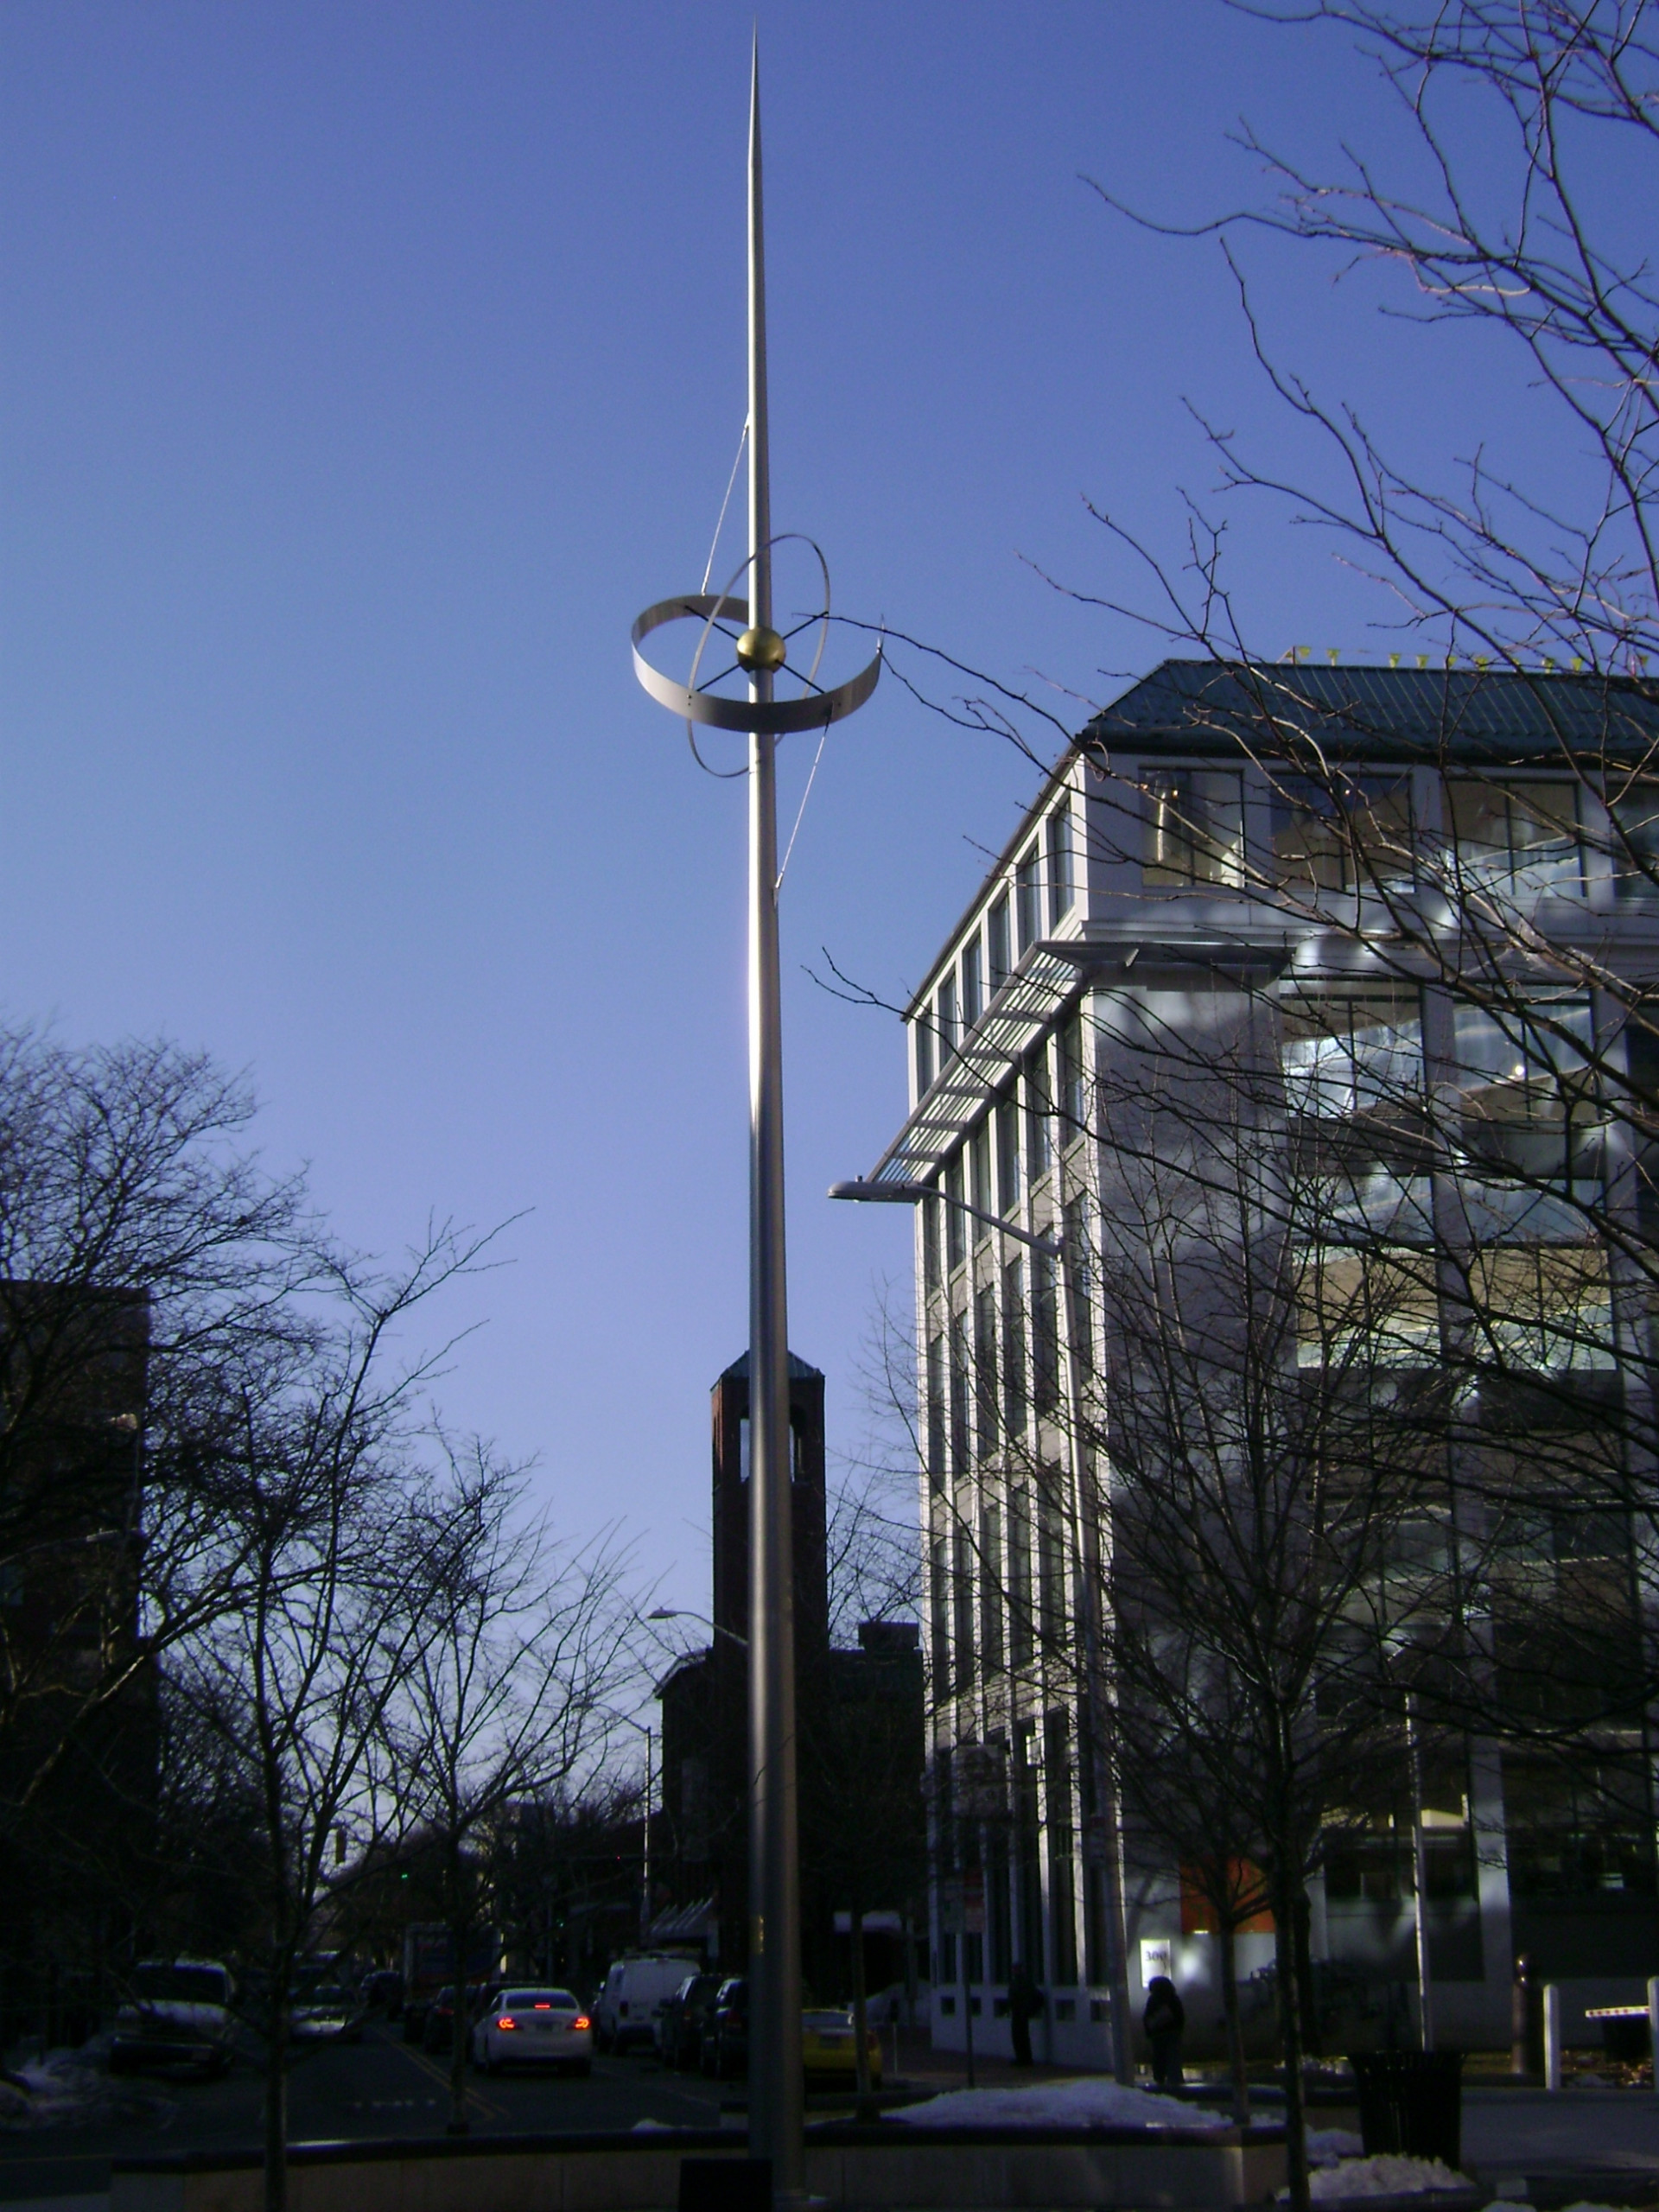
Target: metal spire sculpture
(761, 653)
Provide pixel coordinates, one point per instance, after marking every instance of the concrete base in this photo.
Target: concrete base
(881, 2168)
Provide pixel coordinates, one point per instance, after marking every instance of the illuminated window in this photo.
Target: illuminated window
(1062, 884)
(1195, 827)
(1341, 833)
(996, 932)
(1521, 837)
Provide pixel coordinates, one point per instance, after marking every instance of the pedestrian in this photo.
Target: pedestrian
(1025, 2004)
(1165, 2022)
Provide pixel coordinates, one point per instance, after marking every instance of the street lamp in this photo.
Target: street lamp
(1088, 1542)
(646, 1730)
(777, 2095)
(685, 1613)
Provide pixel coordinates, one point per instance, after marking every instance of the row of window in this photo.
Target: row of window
(1012, 1147)
(997, 1588)
(1042, 893)
(1343, 1054)
(991, 1802)
(1526, 836)
(985, 1372)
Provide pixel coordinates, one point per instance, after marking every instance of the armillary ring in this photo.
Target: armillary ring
(816, 709)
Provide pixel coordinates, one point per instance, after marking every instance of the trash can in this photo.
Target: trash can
(1411, 2102)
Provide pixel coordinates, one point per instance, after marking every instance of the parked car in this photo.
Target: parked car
(830, 2047)
(381, 1990)
(683, 2021)
(636, 1989)
(179, 2013)
(327, 2014)
(534, 2027)
(726, 2038)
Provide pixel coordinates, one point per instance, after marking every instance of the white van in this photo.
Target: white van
(636, 1989)
(177, 2013)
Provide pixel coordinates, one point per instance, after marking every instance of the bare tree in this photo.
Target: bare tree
(142, 1246)
(341, 1557)
(524, 1649)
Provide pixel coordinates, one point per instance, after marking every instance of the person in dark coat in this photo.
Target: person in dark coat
(1165, 2022)
(1025, 2004)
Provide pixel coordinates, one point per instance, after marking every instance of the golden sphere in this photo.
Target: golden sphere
(761, 649)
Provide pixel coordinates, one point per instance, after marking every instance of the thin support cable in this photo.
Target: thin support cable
(742, 440)
(823, 736)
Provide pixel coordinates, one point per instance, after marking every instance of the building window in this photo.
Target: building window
(1062, 1847)
(985, 1367)
(1050, 1562)
(1073, 1085)
(1633, 847)
(947, 1022)
(1075, 1233)
(956, 1244)
(1038, 1106)
(929, 1212)
(1523, 1068)
(1195, 827)
(996, 932)
(1013, 1349)
(1522, 837)
(962, 1607)
(1358, 1311)
(938, 1595)
(979, 1155)
(990, 1589)
(1021, 1624)
(1027, 1833)
(924, 1055)
(1342, 835)
(1062, 888)
(1045, 1333)
(936, 1467)
(1008, 1156)
(1028, 898)
(1353, 1053)
(973, 993)
(961, 1440)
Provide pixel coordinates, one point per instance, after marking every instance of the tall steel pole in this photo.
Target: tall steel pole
(776, 2084)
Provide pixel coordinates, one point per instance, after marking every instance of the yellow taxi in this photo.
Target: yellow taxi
(828, 2046)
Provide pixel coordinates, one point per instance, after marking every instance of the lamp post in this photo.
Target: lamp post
(646, 1730)
(776, 2085)
(685, 1613)
(1087, 1528)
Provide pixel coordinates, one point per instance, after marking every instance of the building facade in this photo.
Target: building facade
(1196, 914)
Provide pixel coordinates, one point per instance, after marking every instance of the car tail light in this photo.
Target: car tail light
(541, 2006)
(506, 2021)
(581, 2020)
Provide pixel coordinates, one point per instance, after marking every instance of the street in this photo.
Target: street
(381, 2086)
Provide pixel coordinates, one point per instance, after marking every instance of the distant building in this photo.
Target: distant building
(77, 1751)
(858, 1710)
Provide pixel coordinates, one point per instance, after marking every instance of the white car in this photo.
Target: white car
(327, 2014)
(533, 2027)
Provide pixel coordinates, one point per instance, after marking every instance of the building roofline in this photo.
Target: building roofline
(1354, 709)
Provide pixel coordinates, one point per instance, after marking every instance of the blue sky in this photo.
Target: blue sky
(366, 368)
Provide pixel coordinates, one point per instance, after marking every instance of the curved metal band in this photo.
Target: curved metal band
(775, 718)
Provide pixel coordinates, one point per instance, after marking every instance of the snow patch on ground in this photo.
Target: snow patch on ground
(67, 2088)
(1088, 2102)
(1385, 2175)
(1327, 2144)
